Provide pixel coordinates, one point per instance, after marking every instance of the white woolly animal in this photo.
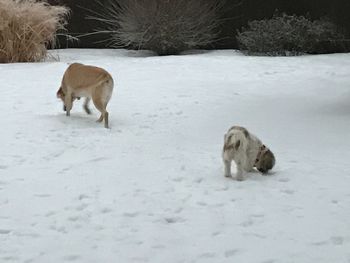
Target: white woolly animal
(247, 151)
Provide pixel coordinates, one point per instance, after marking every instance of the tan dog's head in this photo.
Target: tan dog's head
(60, 94)
(265, 161)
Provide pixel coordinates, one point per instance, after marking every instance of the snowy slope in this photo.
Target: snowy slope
(151, 189)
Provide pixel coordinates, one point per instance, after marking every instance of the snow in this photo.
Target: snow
(151, 188)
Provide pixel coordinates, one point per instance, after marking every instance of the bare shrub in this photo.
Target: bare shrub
(27, 28)
(164, 26)
(288, 34)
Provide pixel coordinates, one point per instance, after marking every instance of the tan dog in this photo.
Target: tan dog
(90, 82)
(247, 151)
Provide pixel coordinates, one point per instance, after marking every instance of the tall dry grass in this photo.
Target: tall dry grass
(27, 27)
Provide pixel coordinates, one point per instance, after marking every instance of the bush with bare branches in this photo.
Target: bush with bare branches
(164, 26)
(290, 34)
(27, 28)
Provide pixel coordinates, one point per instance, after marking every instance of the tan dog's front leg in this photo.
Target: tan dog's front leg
(86, 106)
(68, 102)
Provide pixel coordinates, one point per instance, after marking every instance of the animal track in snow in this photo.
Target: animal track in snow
(131, 214)
(207, 255)
(247, 223)
(183, 96)
(98, 159)
(31, 235)
(2, 183)
(198, 180)
(224, 188)
(50, 213)
(83, 196)
(216, 233)
(81, 207)
(178, 210)
(284, 180)
(218, 205)
(337, 240)
(64, 170)
(29, 260)
(71, 257)
(178, 179)
(173, 220)
(74, 218)
(185, 199)
(5, 231)
(145, 127)
(231, 253)
(18, 159)
(158, 246)
(202, 203)
(255, 235)
(60, 229)
(258, 215)
(287, 191)
(319, 243)
(11, 258)
(139, 259)
(42, 195)
(106, 210)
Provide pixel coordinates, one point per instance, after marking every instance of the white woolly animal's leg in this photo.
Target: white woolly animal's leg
(239, 172)
(227, 168)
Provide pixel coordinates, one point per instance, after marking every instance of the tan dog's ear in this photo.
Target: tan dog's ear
(59, 93)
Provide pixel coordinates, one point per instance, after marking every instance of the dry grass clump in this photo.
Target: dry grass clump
(27, 27)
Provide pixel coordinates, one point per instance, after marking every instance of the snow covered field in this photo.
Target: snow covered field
(151, 189)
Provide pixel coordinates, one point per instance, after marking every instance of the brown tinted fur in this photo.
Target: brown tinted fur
(227, 145)
(87, 81)
(244, 130)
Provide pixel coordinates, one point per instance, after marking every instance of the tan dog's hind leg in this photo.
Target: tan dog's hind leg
(106, 119)
(100, 119)
(102, 108)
